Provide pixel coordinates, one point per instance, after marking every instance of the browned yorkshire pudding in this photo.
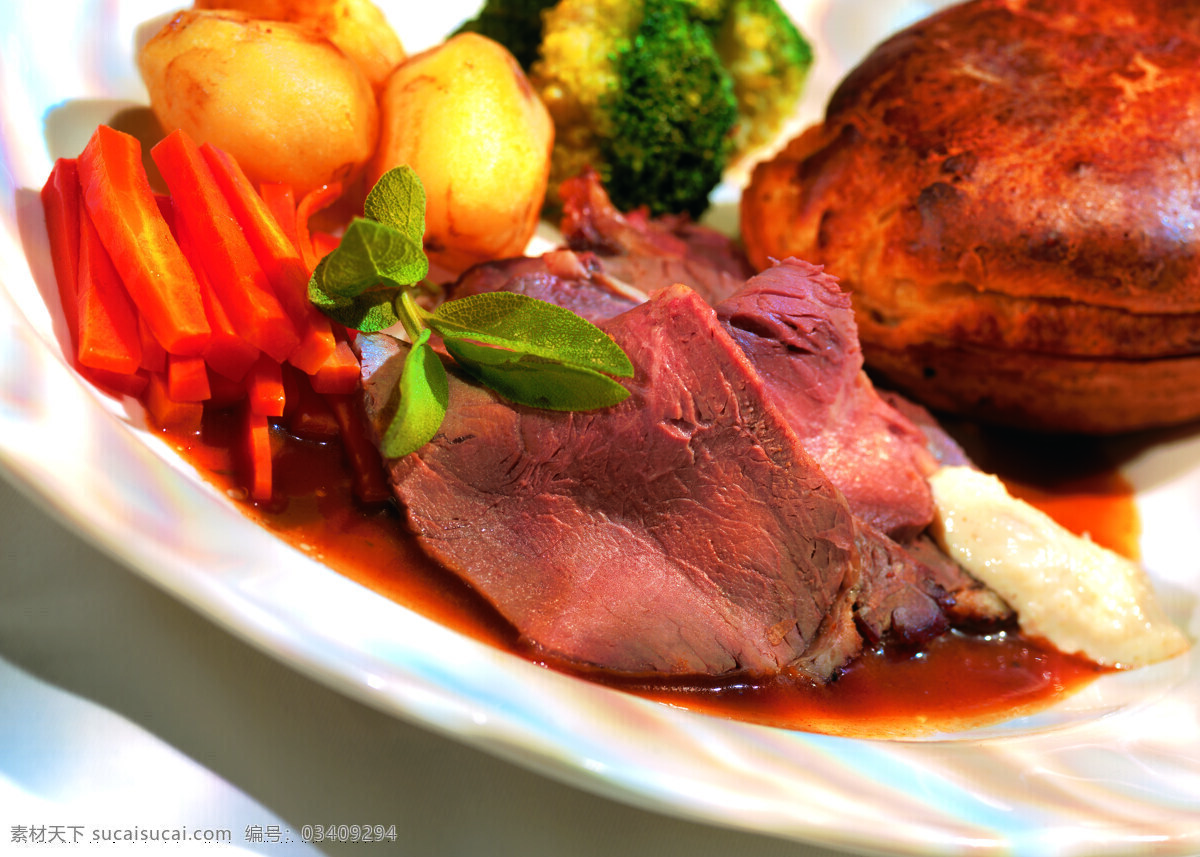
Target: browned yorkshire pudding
(1011, 191)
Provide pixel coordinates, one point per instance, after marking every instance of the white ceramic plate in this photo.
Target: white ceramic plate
(1114, 770)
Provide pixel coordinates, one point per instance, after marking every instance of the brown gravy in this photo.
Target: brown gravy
(958, 682)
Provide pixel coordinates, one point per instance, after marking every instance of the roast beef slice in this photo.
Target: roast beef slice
(683, 531)
(797, 327)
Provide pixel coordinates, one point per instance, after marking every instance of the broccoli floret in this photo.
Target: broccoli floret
(657, 95)
(637, 91)
(672, 118)
(708, 11)
(516, 24)
(769, 60)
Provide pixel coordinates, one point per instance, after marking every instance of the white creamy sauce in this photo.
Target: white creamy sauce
(1078, 595)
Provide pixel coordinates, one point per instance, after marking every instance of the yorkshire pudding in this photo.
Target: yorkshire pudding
(1010, 191)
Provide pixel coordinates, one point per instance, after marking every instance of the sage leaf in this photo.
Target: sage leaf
(525, 325)
(398, 200)
(368, 310)
(534, 381)
(424, 393)
(370, 253)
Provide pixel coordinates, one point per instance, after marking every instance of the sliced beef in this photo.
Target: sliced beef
(797, 327)
(687, 530)
(613, 261)
(577, 281)
(650, 252)
(683, 531)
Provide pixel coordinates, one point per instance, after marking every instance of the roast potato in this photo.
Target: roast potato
(465, 118)
(357, 27)
(286, 103)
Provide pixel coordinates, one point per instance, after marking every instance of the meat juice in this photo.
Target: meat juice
(957, 682)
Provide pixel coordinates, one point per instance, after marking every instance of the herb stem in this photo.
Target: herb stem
(411, 315)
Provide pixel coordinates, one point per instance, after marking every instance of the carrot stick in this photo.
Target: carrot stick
(154, 356)
(225, 392)
(228, 353)
(324, 243)
(167, 414)
(117, 383)
(306, 412)
(187, 379)
(118, 197)
(369, 483)
(340, 374)
(281, 200)
(61, 203)
(310, 204)
(109, 338)
(264, 388)
(279, 258)
(236, 276)
(256, 455)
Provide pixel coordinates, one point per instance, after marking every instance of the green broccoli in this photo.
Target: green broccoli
(636, 91)
(657, 95)
(516, 24)
(769, 61)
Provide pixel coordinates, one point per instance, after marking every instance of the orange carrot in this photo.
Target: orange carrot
(235, 274)
(224, 391)
(310, 204)
(281, 200)
(324, 243)
(306, 413)
(187, 379)
(109, 338)
(117, 195)
(279, 258)
(339, 374)
(154, 356)
(167, 414)
(256, 455)
(264, 388)
(227, 353)
(369, 484)
(60, 204)
(118, 383)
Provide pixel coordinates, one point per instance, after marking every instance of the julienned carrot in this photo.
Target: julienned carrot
(324, 243)
(118, 383)
(279, 258)
(154, 356)
(340, 374)
(264, 388)
(236, 276)
(310, 204)
(187, 379)
(109, 338)
(117, 195)
(61, 203)
(224, 392)
(368, 483)
(166, 413)
(228, 353)
(256, 455)
(280, 199)
(306, 412)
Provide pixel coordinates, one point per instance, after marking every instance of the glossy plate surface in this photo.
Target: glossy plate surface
(1114, 770)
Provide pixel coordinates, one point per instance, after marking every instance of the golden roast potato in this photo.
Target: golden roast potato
(286, 103)
(465, 118)
(357, 27)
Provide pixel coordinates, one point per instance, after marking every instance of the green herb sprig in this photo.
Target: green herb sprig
(529, 351)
